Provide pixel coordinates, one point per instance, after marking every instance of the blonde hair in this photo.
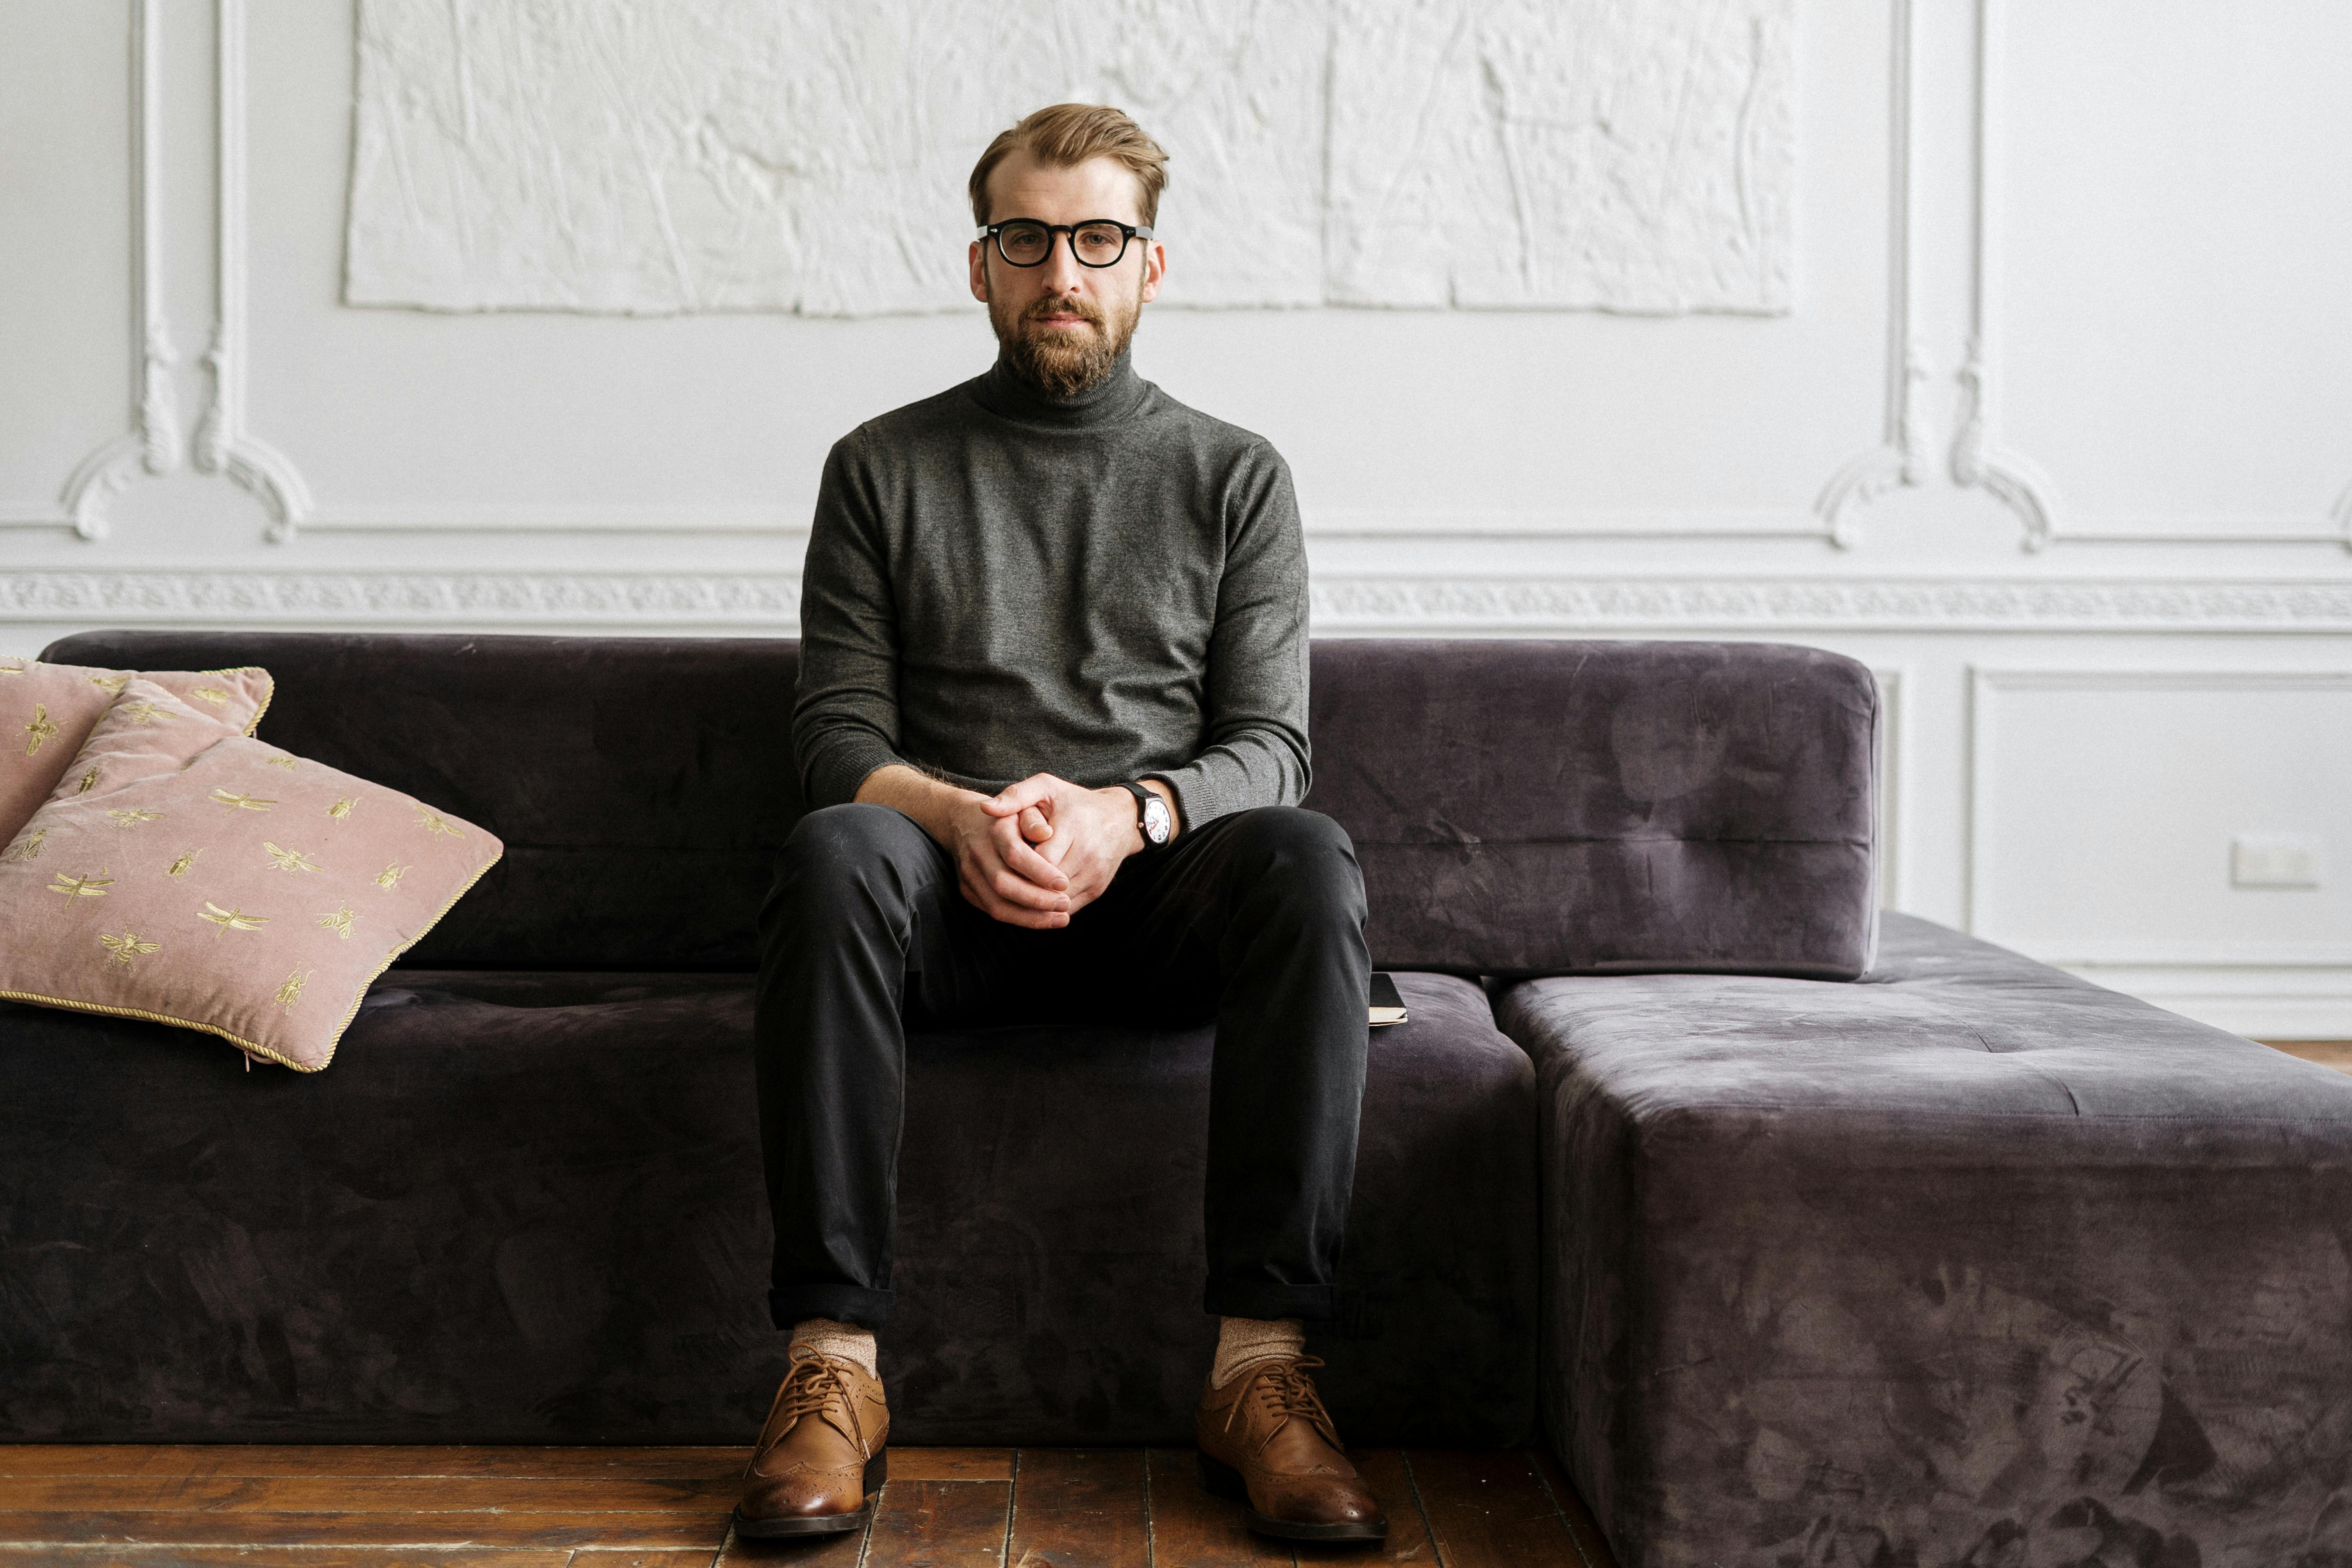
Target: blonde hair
(1070, 133)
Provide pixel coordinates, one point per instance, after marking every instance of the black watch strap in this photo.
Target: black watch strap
(1143, 799)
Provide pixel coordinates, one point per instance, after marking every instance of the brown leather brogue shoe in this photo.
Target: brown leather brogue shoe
(1266, 1440)
(820, 1459)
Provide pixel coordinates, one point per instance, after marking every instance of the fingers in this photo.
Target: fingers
(1022, 861)
(1033, 826)
(1035, 790)
(996, 906)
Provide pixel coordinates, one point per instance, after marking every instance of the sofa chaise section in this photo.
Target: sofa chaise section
(1970, 1263)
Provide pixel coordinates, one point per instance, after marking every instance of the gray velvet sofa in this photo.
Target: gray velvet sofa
(1799, 1243)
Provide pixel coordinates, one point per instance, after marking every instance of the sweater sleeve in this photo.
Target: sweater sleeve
(1255, 750)
(846, 712)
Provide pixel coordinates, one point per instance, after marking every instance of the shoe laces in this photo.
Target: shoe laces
(813, 1382)
(1284, 1389)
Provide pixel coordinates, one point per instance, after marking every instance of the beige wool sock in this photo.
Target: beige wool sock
(1242, 1343)
(846, 1341)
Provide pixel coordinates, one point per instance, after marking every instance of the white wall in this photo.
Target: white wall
(2054, 437)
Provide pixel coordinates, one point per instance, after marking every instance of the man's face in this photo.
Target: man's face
(1063, 324)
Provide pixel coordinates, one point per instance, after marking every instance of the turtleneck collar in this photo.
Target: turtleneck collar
(1006, 393)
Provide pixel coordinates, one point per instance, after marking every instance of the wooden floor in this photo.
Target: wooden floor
(2337, 1054)
(333, 1507)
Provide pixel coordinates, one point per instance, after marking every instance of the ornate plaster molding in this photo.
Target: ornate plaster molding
(223, 445)
(1827, 604)
(153, 441)
(1901, 456)
(1981, 459)
(475, 599)
(1341, 604)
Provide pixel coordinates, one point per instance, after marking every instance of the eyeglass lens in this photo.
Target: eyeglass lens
(1094, 244)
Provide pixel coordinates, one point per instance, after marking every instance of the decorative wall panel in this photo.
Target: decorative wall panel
(802, 155)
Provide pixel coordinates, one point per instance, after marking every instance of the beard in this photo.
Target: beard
(1061, 362)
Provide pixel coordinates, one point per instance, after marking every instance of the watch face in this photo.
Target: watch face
(1155, 820)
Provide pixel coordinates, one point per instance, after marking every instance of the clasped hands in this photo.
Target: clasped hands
(1032, 855)
(1043, 850)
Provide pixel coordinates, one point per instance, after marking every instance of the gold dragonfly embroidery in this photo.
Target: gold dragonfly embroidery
(88, 783)
(340, 923)
(390, 875)
(111, 683)
(433, 821)
(291, 991)
(40, 729)
(131, 817)
(180, 866)
(91, 885)
(288, 764)
(342, 808)
(246, 802)
(232, 920)
(127, 947)
(144, 713)
(212, 694)
(288, 859)
(30, 850)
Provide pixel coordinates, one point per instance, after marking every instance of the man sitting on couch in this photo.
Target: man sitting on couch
(1052, 729)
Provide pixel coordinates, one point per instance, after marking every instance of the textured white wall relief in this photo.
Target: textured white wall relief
(619, 155)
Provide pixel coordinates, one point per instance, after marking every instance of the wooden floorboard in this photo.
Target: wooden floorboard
(128, 1506)
(2337, 1054)
(940, 1524)
(1191, 1529)
(1489, 1510)
(1079, 1508)
(369, 1459)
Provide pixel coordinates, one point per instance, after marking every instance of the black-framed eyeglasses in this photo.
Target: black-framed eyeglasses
(1096, 242)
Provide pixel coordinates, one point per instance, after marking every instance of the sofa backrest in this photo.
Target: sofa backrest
(1518, 807)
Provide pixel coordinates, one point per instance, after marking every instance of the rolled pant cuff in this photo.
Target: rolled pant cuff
(1252, 1298)
(790, 1304)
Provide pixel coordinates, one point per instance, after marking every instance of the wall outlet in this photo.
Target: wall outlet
(2273, 860)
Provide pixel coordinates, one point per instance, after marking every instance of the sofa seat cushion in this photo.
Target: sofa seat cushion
(528, 1207)
(1969, 1261)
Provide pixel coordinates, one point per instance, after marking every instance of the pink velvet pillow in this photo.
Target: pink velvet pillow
(46, 711)
(186, 873)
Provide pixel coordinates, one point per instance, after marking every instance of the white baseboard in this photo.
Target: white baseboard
(2260, 1002)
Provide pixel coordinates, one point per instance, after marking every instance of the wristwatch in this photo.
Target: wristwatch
(1151, 816)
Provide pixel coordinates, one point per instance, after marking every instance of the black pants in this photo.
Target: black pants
(1256, 919)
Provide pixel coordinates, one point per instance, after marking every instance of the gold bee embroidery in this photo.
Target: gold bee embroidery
(387, 878)
(89, 782)
(246, 802)
(286, 859)
(434, 822)
(342, 808)
(232, 920)
(90, 886)
(143, 712)
(291, 991)
(180, 866)
(112, 684)
(212, 694)
(40, 729)
(31, 849)
(131, 817)
(340, 923)
(126, 947)
(288, 764)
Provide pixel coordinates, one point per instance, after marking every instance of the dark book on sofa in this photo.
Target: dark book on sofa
(1388, 1007)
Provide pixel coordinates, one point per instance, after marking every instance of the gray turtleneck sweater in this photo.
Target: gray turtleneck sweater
(1104, 588)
